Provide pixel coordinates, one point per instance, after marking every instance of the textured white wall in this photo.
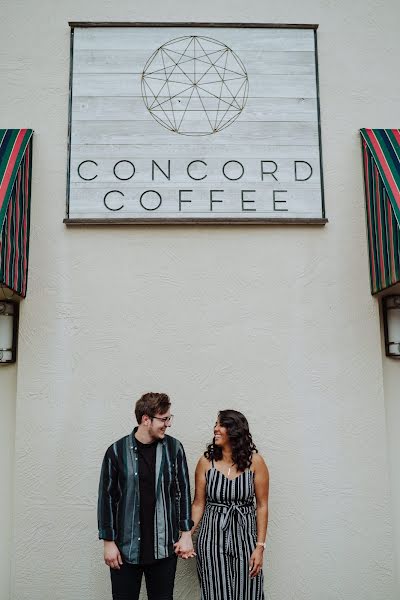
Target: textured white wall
(277, 322)
(8, 380)
(391, 381)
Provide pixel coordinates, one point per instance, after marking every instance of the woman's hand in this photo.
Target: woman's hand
(256, 561)
(184, 547)
(261, 485)
(112, 556)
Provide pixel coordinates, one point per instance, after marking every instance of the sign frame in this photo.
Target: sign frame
(187, 220)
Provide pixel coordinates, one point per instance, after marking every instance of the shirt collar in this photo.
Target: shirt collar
(133, 440)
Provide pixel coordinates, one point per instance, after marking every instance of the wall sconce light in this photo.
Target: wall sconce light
(391, 325)
(9, 312)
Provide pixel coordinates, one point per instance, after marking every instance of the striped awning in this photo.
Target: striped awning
(15, 191)
(381, 159)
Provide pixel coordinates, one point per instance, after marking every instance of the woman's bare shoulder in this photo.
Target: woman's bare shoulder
(258, 462)
(203, 463)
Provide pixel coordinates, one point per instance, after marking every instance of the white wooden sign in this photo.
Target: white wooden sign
(194, 123)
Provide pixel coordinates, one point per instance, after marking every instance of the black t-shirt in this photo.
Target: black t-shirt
(147, 491)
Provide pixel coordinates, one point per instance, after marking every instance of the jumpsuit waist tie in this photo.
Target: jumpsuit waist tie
(231, 512)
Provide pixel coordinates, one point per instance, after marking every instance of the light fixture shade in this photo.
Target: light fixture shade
(9, 312)
(391, 324)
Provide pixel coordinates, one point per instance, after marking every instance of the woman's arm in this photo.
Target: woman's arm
(199, 501)
(197, 506)
(261, 484)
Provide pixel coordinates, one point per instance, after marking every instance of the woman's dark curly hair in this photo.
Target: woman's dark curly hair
(239, 437)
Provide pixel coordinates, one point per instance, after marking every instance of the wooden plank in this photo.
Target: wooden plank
(257, 62)
(122, 132)
(117, 85)
(199, 150)
(227, 200)
(85, 108)
(115, 38)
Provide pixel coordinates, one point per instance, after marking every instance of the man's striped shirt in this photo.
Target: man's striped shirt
(119, 498)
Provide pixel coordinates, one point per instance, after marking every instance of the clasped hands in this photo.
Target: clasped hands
(184, 546)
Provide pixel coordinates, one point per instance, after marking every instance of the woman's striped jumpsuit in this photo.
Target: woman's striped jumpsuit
(227, 539)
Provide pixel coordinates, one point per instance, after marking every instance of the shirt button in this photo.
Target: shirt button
(135, 473)
(138, 539)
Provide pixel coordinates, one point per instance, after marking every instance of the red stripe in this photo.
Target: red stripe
(11, 164)
(384, 165)
(371, 245)
(396, 134)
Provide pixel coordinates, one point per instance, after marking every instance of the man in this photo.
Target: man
(144, 503)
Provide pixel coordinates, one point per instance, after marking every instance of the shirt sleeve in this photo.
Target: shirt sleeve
(185, 522)
(108, 497)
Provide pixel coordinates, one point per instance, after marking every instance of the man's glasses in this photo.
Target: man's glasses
(166, 420)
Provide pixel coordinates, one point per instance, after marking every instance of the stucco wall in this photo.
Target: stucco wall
(391, 380)
(277, 322)
(8, 379)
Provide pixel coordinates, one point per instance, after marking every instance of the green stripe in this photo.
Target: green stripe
(369, 209)
(373, 223)
(394, 142)
(384, 231)
(393, 164)
(2, 134)
(9, 145)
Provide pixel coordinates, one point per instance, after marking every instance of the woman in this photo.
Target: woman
(231, 541)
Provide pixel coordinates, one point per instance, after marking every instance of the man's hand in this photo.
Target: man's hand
(256, 561)
(112, 556)
(184, 547)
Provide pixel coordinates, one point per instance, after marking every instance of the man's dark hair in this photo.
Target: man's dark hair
(150, 404)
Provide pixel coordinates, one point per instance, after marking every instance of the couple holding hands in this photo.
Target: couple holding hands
(146, 518)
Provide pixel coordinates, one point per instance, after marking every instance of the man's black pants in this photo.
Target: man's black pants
(159, 576)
